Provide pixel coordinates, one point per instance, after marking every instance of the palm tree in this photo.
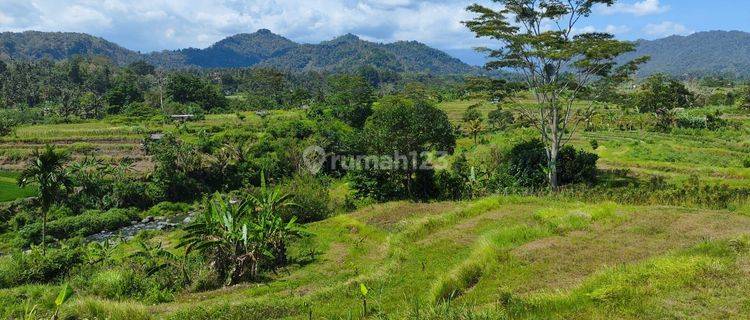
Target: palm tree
(47, 170)
(474, 128)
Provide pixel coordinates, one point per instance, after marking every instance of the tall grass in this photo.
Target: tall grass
(491, 249)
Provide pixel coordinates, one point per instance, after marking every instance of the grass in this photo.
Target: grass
(9, 189)
(717, 157)
(493, 258)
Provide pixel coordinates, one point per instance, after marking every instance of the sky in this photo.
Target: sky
(154, 25)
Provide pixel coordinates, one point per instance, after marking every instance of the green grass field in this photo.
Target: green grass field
(9, 189)
(718, 157)
(493, 258)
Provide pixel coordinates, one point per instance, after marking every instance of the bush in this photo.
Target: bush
(35, 267)
(594, 144)
(7, 127)
(168, 209)
(527, 162)
(746, 163)
(82, 225)
(576, 166)
(310, 196)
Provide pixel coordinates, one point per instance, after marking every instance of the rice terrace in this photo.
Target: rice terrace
(505, 159)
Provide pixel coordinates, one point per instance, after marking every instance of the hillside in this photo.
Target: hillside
(699, 54)
(262, 48)
(495, 258)
(60, 45)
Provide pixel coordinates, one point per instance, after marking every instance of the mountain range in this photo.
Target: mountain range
(699, 54)
(696, 55)
(261, 48)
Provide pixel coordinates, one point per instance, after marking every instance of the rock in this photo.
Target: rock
(147, 219)
(187, 220)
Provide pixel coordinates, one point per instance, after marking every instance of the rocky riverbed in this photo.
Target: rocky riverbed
(147, 223)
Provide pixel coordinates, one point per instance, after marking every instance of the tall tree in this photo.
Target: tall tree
(408, 128)
(47, 170)
(538, 40)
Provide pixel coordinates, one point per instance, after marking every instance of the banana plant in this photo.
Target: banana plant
(65, 293)
(364, 291)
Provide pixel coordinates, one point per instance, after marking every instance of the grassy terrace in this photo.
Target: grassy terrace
(9, 189)
(495, 258)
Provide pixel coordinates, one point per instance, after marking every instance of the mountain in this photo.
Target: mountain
(262, 48)
(60, 45)
(241, 50)
(699, 54)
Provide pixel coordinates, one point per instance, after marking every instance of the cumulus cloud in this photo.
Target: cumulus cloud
(148, 25)
(639, 8)
(611, 29)
(666, 28)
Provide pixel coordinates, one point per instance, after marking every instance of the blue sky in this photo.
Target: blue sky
(149, 25)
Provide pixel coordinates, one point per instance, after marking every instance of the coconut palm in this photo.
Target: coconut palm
(47, 170)
(474, 128)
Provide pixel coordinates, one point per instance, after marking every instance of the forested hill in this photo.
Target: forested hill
(696, 55)
(262, 48)
(60, 45)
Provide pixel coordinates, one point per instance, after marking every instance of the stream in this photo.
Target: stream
(148, 223)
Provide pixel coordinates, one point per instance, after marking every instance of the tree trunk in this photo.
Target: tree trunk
(552, 166)
(44, 231)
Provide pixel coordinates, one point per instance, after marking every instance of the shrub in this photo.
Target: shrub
(527, 160)
(310, 196)
(7, 126)
(37, 267)
(82, 225)
(746, 163)
(168, 209)
(594, 144)
(576, 166)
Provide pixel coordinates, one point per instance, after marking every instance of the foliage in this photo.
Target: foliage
(526, 165)
(46, 170)
(39, 266)
(557, 64)
(659, 92)
(500, 119)
(404, 128)
(310, 196)
(187, 88)
(240, 238)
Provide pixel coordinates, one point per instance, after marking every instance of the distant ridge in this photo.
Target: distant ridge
(696, 55)
(261, 48)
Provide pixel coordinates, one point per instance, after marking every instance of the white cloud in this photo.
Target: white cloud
(149, 25)
(666, 28)
(611, 29)
(5, 20)
(639, 8)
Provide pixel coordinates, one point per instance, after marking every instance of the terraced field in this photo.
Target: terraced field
(9, 189)
(717, 157)
(107, 139)
(494, 258)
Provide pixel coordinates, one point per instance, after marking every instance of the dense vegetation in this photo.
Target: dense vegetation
(702, 54)
(262, 48)
(137, 192)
